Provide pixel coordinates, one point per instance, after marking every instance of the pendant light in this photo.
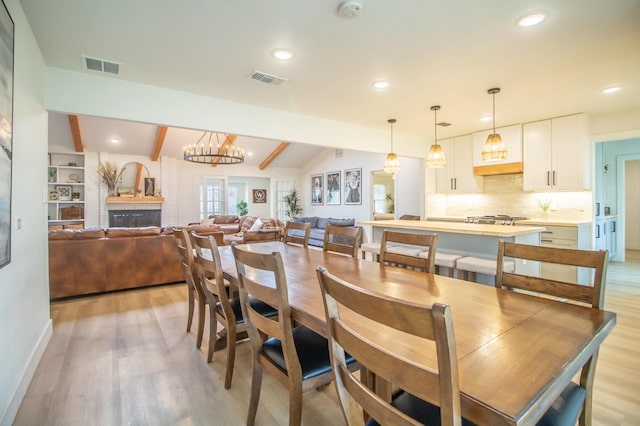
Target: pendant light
(391, 164)
(494, 149)
(435, 156)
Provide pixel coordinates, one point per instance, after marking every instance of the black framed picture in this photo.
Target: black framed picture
(149, 186)
(6, 131)
(259, 196)
(333, 188)
(317, 191)
(353, 186)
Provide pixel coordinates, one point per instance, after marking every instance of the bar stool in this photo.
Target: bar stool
(470, 266)
(373, 248)
(444, 260)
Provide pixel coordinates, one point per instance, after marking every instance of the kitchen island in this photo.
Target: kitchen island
(465, 239)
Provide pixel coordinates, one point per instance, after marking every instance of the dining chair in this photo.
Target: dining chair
(224, 305)
(342, 239)
(296, 356)
(575, 400)
(295, 237)
(418, 383)
(407, 254)
(191, 277)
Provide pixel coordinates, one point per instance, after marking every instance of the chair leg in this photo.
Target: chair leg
(450, 272)
(256, 384)
(191, 303)
(586, 381)
(295, 403)
(231, 355)
(201, 315)
(213, 330)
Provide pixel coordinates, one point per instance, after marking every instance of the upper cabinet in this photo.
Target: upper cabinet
(457, 176)
(555, 154)
(512, 138)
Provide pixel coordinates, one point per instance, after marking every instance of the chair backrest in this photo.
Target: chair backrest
(431, 323)
(592, 294)
(262, 276)
(407, 255)
(187, 260)
(210, 271)
(342, 239)
(296, 239)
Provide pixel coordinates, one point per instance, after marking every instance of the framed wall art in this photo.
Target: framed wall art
(64, 192)
(317, 191)
(353, 186)
(259, 196)
(6, 131)
(149, 186)
(333, 188)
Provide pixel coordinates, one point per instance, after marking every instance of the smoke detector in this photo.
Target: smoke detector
(350, 9)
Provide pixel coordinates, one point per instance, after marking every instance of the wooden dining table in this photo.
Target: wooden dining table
(516, 352)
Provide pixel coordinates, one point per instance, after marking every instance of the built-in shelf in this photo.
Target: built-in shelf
(138, 200)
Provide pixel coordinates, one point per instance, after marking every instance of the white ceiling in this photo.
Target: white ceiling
(432, 52)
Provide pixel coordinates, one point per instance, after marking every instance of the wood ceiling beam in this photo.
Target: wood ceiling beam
(74, 124)
(276, 152)
(138, 178)
(157, 147)
(226, 144)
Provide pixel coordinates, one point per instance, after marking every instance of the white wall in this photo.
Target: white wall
(25, 326)
(632, 204)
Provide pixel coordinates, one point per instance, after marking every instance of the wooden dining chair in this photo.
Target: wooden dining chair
(224, 305)
(191, 277)
(576, 400)
(407, 254)
(418, 383)
(342, 239)
(300, 235)
(296, 356)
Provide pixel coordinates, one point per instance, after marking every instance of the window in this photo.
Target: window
(283, 187)
(211, 196)
(379, 198)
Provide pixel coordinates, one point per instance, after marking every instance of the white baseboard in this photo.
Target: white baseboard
(9, 414)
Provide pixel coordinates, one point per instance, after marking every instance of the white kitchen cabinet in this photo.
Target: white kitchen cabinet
(457, 176)
(556, 154)
(512, 138)
(606, 235)
(567, 237)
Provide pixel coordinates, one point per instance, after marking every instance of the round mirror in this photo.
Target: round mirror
(132, 180)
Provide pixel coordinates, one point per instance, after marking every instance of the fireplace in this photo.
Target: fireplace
(134, 218)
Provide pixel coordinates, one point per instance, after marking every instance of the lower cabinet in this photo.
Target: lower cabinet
(571, 237)
(606, 235)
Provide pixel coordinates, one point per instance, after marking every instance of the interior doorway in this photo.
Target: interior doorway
(383, 194)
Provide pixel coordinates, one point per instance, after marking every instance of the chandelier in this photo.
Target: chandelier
(435, 156)
(494, 149)
(391, 164)
(204, 151)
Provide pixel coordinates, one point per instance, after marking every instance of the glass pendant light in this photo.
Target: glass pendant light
(391, 164)
(494, 149)
(435, 156)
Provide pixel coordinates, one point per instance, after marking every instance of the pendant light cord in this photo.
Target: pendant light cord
(494, 112)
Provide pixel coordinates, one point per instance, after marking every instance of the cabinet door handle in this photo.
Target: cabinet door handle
(554, 178)
(451, 183)
(545, 241)
(548, 178)
(597, 231)
(613, 227)
(455, 183)
(604, 229)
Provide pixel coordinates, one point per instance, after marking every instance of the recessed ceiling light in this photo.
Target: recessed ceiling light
(486, 118)
(382, 84)
(610, 90)
(531, 20)
(282, 54)
(114, 140)
(249, 154)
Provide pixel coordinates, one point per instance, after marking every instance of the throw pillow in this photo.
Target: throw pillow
(322, 223)
(342, 222)
(247, 223)
(256, 225)
(207, 221)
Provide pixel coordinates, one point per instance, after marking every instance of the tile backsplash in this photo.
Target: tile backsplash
(504, 195)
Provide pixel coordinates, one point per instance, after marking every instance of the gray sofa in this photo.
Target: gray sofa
(318, 226)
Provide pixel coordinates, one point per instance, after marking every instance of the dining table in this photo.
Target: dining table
(516, 352)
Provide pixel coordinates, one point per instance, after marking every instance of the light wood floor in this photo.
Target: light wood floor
(125, 358)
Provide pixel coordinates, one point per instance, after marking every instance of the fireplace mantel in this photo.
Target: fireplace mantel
(137, 200)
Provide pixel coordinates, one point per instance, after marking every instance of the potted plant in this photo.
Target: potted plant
(75, 196)
(292, 200)
(243, 208)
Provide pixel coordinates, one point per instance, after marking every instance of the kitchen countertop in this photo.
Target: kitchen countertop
(456, 227)
(552, 222)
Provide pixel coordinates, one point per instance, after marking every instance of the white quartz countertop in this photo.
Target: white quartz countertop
(456, 227)
(552, 222)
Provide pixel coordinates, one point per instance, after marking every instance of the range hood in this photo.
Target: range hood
(499, 169)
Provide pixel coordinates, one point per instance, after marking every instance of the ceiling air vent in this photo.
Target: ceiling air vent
(267, 78)
(101, 65)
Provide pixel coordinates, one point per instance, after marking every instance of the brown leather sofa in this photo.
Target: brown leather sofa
(87, 261)
(238, 229)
